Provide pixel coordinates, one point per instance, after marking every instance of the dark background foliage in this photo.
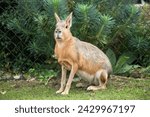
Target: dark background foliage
(118, 27)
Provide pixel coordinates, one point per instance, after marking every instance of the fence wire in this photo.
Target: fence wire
(15, 55)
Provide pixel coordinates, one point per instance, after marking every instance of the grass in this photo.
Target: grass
(119, 88)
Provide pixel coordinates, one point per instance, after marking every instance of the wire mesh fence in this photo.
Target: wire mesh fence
(16, 39)
(25, 44)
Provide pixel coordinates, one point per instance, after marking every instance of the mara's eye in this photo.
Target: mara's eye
(66, 26)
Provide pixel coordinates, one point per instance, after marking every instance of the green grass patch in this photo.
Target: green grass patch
(117, 89)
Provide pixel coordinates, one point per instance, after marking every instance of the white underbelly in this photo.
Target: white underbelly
(91, 78)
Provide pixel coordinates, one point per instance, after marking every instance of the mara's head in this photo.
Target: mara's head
(62, 30)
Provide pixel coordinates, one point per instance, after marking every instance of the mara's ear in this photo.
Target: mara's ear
(69, 21)
(57, 17)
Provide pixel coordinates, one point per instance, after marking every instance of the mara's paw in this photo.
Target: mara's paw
(92, 88)
(103, 87)
(64, 93)
(59, 91)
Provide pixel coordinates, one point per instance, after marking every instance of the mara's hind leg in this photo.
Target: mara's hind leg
(103, 77)
(103, 80)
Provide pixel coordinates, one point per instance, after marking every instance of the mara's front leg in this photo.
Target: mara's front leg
(63, 79)
(74, 69)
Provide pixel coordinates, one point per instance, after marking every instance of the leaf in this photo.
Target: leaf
(111, 56)
(122, 61)
(131, 56)
(146, 70)
(125, 68)
(3, 92)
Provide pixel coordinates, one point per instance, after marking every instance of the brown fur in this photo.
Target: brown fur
(81, 58)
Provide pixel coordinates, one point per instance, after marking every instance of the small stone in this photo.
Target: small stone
(17, 77)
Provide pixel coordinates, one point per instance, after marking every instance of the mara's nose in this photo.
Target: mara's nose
(58, 34)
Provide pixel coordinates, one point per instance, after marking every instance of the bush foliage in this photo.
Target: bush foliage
(27, 29)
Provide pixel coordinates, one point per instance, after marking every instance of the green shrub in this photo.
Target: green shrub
(27, 29)
(122, 65)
